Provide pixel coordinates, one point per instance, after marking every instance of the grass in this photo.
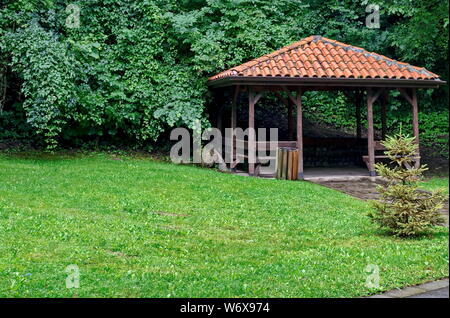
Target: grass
(142, 228)
(435, 183)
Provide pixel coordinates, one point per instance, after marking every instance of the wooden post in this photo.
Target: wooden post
(411, 97)
(370, 136)
(233, 126)
(284, 166)
(384, 102)
(298, 100)
(415, 122)
(251, 133)
(358, 101)
(279, 163)
(290, 156)
(295, 167)
(287, 166)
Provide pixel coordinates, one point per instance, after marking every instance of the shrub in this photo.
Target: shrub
(134, 69)
(403, 208)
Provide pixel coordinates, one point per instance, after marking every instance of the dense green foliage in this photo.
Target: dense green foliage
(132, 69)
(403, 208)
(141, 228)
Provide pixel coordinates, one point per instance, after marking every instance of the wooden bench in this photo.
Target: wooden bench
(379, 147)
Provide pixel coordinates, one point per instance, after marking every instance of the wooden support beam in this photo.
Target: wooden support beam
(233, 127)
(406, 94)
(375, 94)
(411, 96)
(297, 100)
(251, 134)
(370, 135)
(288, 92)
(415, 122)
(298, 103)
(257, 97)
(358, 102)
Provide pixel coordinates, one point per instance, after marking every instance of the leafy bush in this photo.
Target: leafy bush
(434, 131)
(404, 209)
(133, 69)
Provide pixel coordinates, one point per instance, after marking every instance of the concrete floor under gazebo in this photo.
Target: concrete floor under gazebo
(328, 174)
(336, 174)
(317, 64)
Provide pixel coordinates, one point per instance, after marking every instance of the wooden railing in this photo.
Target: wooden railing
(241, 146)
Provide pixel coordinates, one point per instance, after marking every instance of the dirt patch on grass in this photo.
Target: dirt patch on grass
(363, 189)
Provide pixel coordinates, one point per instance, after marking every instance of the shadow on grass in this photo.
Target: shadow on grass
(435, 233)
(64, 154)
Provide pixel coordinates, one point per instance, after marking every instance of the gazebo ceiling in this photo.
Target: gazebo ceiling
(316, 60)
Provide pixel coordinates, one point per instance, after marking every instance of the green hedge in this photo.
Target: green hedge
(133, 69)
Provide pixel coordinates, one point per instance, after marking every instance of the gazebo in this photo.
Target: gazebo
(316, 63)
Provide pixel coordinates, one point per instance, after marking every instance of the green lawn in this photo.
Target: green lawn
(142, 228)
(435, 183)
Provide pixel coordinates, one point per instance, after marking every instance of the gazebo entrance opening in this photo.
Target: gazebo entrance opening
(344, 154)
(318, 64)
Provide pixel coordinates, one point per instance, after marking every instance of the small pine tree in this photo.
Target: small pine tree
(403, 208)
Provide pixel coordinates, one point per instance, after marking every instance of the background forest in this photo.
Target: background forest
(132, 69)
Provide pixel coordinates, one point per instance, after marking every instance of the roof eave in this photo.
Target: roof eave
(318, 81)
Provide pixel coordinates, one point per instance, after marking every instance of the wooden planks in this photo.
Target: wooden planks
(411, 96)
(370, 136)
(287, 163)
(298, 102)
(251, 133)
(415, 122)
(295, 166)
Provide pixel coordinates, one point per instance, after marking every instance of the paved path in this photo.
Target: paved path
(436, 289)
(438, 293)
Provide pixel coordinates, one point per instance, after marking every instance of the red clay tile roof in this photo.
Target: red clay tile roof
(316, 56)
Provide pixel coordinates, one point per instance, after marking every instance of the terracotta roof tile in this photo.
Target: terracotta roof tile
(316, 56)
(365, 73)
(389, 73)
(311, 72)
(339, 73)
(330, 72)
(303, 72)
(356, 73)
(334, 65)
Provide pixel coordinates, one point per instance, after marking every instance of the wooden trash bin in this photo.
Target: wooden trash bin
(287, 163)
